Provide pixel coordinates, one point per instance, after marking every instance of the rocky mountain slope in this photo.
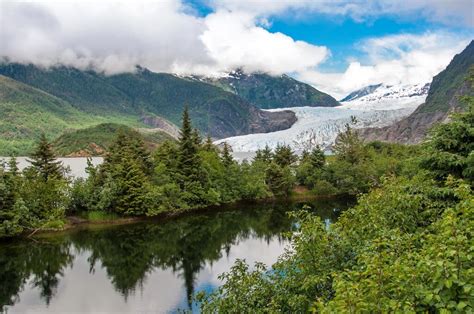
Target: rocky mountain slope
(130, 98)
(270, 92)
(444, 97)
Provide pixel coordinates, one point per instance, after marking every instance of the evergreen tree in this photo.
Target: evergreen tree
(188, 158)
(279, 179)
(450, 149)
(304, 156)
(197, 138)
(348, 146)
(44, 161)
(132, 191)
(209, 145)
(317, 158)
(264, 155)
(226, 155)
(284, 156)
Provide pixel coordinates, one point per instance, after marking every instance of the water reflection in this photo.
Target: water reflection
(152, 266)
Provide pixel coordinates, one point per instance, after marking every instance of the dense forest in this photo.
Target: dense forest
(182, 175)
(406, 246)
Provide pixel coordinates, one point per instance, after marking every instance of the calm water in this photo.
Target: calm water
(153, 266)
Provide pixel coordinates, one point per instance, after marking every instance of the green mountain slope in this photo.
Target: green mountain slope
(26, 112)
(96, 140)
(145, 93)
(269, 92)
(449, 82)
(444, 97)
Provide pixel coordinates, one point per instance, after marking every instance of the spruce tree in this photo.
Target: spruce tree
(284, 156)
(209, 145)
(226, 155)
(188, 158)
(264, 155)
(348, 146)
(197, 138)
(317, 158)
(44, 161)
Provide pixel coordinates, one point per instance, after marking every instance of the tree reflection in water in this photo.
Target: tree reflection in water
(130, 253)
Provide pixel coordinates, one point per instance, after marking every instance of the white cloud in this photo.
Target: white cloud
(451, 12)
(163, 36)
(398, 59)
(233, 40)
(114, 36)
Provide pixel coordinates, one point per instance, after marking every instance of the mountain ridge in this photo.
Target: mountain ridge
(136, 98)
(267, 91)
(443, 98)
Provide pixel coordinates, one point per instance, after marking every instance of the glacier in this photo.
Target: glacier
(321, 125)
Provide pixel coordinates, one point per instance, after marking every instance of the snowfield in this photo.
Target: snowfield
(320, 125)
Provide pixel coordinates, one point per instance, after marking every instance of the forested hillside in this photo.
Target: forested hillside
(97, 140)
(134, 97)
(269, 92)
(26, 112)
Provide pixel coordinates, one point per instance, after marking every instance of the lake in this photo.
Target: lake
(77, 165)
(152, 266)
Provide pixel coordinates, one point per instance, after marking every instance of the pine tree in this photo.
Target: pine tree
(284, 156)
(44, 161)
(132, 192)
(188, 159)
(317, 158)
(348, 146)
(279, 179)
(226, 155)
(209, 145)
(197, 138)
(264, 155)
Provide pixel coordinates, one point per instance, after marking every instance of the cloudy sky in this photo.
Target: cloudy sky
(337, 46)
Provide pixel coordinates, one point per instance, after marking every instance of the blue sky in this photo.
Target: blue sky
(342, 34)
(336, 46)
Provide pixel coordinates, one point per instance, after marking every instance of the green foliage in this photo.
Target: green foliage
(43, 160)
(35, 198)
(280, 180)
(451, 146)
(405, 247)
(284, 156)
(28, 112)
(264, 155)
(96, 140)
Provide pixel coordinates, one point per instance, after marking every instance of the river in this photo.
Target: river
(152, 266)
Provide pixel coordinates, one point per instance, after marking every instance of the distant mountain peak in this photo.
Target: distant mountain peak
(361, 92)
(383, 93)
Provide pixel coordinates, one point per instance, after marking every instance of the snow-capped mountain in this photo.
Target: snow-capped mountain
(361, 92)
(373, 106)
(387, 97)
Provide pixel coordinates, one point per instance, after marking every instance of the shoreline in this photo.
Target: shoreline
(76, 223)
